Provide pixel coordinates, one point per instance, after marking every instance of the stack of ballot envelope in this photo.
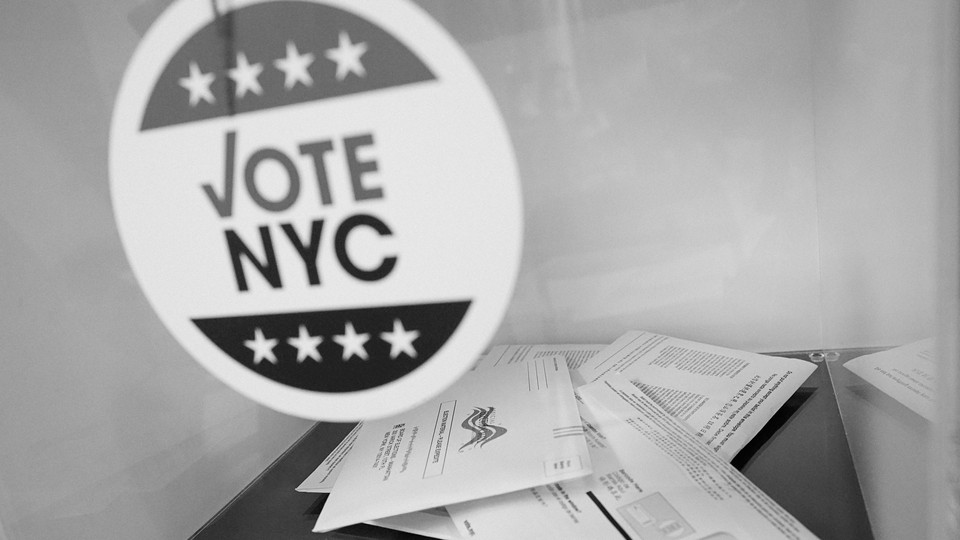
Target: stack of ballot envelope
(629, 440)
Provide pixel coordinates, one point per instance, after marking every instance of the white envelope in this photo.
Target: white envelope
(653, 479)
(575, 355)
(433, 523)
(494, 431)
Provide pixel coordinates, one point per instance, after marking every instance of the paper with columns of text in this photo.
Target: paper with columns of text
(725, 395)
(906, 373)
(494, 431)
(653, 479)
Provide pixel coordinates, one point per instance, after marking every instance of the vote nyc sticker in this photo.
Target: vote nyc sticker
(318, 198)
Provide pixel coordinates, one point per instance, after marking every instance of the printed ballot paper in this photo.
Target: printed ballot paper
(494, 431)
(653, 479)
(906, 373)
(726, 396)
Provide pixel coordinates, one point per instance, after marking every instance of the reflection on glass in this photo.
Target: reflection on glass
(886, 398)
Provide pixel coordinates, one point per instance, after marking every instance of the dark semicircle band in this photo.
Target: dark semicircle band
(423, 329)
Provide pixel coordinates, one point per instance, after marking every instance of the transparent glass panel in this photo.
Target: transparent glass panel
(109, 429)
(886, 175)
(666, 151)
(769, 175)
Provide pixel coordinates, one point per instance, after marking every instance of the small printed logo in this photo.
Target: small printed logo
(480, 424)
(561, 466)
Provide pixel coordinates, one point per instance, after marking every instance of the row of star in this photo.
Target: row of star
(400, 340)
(295, 67)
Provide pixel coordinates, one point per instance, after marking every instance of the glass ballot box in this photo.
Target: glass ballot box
(775, 177)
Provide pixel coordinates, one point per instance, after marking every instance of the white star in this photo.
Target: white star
(294, 67)
(262, 347)
(245, 75)
(352, 342)
(198, 84)
(400, 340)
(347, 56)
(306, 345)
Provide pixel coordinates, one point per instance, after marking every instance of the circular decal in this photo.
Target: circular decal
(319, 199)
